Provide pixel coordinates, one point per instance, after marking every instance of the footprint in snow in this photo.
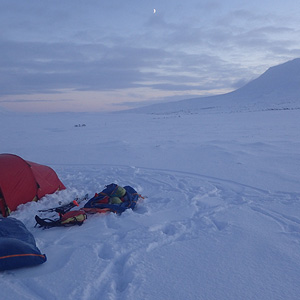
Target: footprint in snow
(123, 268)
(111, 222)
(106, 252)
(220, 225)
(169, 229)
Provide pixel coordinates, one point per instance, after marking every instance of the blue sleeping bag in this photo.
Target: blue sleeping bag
(17, 246)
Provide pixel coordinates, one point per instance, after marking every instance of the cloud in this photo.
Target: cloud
(36, 67)
(35, 100)
(192, 47)
(48, 67)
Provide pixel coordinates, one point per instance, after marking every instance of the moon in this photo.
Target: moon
(154, 10)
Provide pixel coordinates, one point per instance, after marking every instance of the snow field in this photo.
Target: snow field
(220, 218)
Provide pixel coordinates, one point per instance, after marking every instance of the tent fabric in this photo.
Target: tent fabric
(48, 181)
(17, 246)
(23, 181)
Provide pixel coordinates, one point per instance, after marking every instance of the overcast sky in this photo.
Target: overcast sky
(98, 55)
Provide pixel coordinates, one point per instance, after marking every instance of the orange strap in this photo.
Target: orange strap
(140, 196)
(17, 255)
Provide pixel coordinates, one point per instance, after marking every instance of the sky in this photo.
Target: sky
(95, 56)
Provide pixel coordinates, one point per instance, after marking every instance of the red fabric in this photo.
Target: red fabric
(48, 181)
(17, 182)
(21, 181)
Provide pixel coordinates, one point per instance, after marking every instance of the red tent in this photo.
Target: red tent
(23, 181)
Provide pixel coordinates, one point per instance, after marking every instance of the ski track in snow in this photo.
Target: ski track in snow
(109, 256)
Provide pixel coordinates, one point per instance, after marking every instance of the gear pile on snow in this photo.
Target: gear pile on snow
(66, 217)
(76, 217)
(113, 198)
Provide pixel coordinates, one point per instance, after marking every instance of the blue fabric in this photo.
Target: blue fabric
(130, 199)
(17, 246)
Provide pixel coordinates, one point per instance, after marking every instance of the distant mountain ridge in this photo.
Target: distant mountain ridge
(276, 89)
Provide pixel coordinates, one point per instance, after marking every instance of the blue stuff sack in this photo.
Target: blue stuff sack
(17, 246)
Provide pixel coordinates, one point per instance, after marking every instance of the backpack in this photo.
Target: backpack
(75, 217)
(113, 198)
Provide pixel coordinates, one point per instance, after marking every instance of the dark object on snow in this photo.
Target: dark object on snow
(24, 181)
(113, 198)
(17, 246)
(66, 217)
(66, 207)
(75, 217)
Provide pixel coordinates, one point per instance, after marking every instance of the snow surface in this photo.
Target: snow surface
(220, 219)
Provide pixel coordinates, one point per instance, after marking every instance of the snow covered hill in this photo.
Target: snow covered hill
(279, 83)
(277, 89)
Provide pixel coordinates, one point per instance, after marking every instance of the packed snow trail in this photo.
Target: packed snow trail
(193, 237)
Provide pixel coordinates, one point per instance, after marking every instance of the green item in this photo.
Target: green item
(115, 200)
(119, 192)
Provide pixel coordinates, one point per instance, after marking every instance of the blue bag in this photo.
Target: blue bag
(17, 246)
(113, 198)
